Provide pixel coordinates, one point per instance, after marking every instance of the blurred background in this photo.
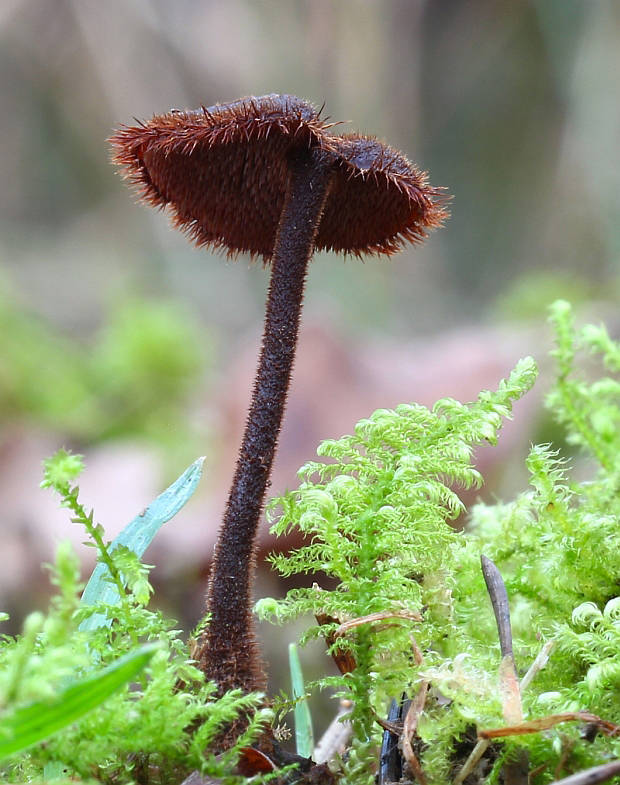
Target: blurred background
(121, 341)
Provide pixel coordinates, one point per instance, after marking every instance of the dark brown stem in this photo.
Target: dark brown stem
(229, 654)
(499, 600)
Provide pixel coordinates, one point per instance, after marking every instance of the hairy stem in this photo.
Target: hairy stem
(229, 653)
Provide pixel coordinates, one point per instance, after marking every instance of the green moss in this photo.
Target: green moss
(375, 510)
(375, 515)
(160, 727)
(132, 378)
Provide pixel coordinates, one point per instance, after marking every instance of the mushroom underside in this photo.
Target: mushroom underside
(232, 197)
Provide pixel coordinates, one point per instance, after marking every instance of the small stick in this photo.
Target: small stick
(372, 617)
(410, 726)
(539, 663)
(567, 748)
(592, 776)
(417, 651)
(499, 600)
(514, 770)
(395, 728)
(544, 723)
(483, 744)
(509, 682)
(390, 760)
(335, 739)
(474, 756)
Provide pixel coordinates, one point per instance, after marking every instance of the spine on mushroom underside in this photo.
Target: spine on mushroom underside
(229, 652)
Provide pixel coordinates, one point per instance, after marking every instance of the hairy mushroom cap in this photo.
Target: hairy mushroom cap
(223, 174)
(379, 200)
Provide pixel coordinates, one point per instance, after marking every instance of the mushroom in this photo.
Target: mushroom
(269, 177)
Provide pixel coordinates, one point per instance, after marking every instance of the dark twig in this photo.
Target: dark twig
(592, 776)
(509, 682)
(499, 601)
(515, 770)
(391, 762)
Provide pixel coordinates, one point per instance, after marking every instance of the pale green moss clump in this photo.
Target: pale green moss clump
(157, 729)
(376, 518)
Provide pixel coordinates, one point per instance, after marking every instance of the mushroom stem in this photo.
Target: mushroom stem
(229, 653)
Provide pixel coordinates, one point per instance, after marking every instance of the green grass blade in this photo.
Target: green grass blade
(137, 536)
(304, 736)
(21, 728)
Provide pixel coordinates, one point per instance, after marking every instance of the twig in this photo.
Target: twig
(474, 756)
(372, 617)
(539, 663)
(335, 739)
(483, 744)
(499, 601)
(390, 761)
(512, 707)
(544, 723)
(592, 776)
(395, 728)
(417, 651)
(410, 727)
(509, 682)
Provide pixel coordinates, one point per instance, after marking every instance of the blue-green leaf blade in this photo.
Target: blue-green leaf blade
(31, 724)
(137, 536)
(304, 735)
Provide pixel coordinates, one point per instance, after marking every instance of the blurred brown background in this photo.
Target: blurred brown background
(120, 340)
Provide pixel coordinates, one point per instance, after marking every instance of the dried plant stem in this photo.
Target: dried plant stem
(483, 744)
(335, 739)
(471, 762)
(539, 663)
(592, 776)
(499, 601)
(373, 617)
(544, 723)
(410, 727)
(509, 681)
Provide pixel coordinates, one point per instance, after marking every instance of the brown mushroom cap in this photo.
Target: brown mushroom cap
(223, 173)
